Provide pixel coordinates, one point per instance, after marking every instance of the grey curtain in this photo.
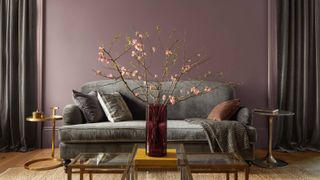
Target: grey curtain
(298, 44)
(17, 74)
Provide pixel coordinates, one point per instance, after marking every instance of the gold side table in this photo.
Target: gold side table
(54, 162)
(269, 161)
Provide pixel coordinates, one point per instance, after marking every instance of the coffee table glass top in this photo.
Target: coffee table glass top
(102, 160)
(206, 160)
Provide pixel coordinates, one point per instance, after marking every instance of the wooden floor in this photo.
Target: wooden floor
(308, 160)
(18, 159)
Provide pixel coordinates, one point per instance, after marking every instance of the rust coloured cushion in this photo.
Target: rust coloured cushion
(225, 110)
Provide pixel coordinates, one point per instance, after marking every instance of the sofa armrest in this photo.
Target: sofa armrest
(72, 115)
(243, 115)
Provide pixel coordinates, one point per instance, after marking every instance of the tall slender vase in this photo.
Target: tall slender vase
(156, 130)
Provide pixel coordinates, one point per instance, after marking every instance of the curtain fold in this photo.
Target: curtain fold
(18, 74)
(298, 75)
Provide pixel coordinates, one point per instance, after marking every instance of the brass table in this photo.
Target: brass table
(54, 162)
(269, 161)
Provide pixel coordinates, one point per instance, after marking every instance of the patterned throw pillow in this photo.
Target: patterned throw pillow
(225, 110)
(114, 107)
(90, 106)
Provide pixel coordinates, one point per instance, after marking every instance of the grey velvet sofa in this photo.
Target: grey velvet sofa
(76, 136)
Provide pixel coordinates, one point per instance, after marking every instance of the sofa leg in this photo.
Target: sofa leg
(65, 164)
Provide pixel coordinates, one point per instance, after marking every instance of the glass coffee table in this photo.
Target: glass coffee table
(123, 163)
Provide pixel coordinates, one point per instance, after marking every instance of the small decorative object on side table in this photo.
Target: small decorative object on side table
(39, 117)
(269, 161)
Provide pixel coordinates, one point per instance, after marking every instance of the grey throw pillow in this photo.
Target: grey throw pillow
(114, 107)
(89, 105)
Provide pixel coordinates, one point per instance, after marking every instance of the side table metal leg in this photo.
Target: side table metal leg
(247, 170)
(269, 161)
(53, 137)
(81, 174)
(69, 171)
(269, 157)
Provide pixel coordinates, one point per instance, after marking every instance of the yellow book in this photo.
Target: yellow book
(144, 161)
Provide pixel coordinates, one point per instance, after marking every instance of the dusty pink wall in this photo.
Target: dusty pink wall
(233, 32)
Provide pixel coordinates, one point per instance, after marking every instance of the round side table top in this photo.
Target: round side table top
(279, 113)
(48, 118)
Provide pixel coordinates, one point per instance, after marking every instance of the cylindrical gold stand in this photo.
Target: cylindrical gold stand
(54, 162)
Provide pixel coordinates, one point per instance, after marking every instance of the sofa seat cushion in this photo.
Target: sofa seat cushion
(127, 131)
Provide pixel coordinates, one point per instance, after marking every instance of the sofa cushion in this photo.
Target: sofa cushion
(127, 131)
(90, 106)
(114, 107)
(224, 110)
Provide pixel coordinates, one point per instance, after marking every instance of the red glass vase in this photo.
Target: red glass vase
(156, 130)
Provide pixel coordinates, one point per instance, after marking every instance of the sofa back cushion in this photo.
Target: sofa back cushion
(199, 106)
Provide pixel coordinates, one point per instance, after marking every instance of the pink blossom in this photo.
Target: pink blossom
(139, 77)
(136, 94)
(102, 56)
(156, 76)
(123, 70)
(186, 68)
(110, 75)
(164, 97)
(98, 72)
(134, 41)
(133, 53)
(134, 73)
(153, 49)
(168, 52)
(174, 78)
(195, 91)
(139, 47)
(172, 99)
(207, 89)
